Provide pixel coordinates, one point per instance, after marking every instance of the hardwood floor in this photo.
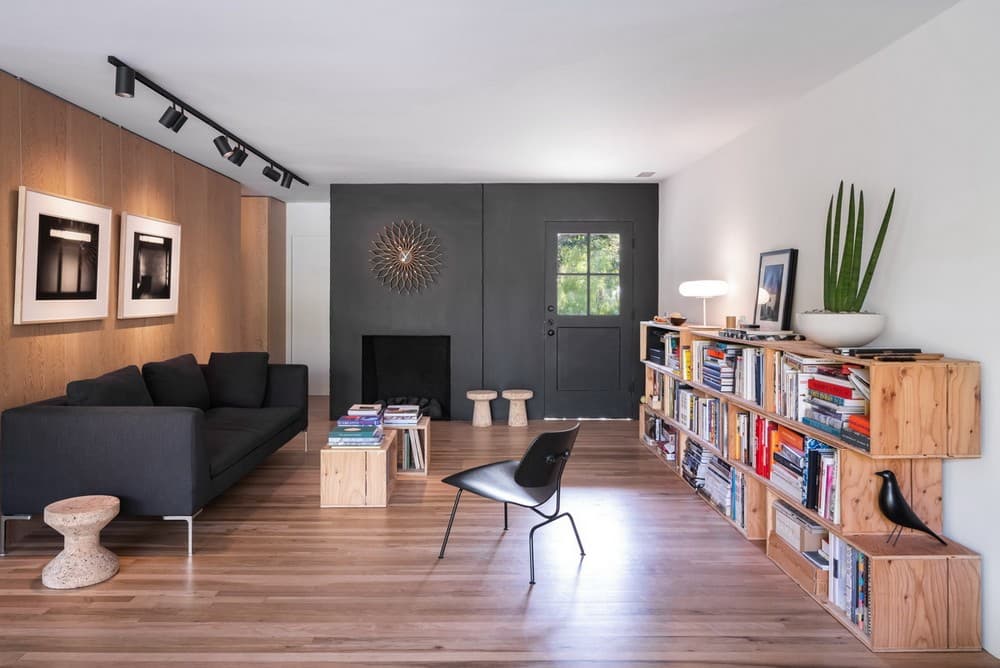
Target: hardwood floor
(277, 580)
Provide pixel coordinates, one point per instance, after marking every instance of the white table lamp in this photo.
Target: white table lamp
(705, 290)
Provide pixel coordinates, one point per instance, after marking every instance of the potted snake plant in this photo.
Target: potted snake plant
(843, 322)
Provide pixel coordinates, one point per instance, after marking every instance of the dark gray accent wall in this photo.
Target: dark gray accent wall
(490, 295)
(514, 270)
(359, 305)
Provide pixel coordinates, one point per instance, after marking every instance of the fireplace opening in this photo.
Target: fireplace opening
(408, 369)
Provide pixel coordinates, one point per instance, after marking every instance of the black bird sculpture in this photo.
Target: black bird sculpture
(897, 510)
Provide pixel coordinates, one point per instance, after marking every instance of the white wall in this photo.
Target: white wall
(922, 116)
(308, 318)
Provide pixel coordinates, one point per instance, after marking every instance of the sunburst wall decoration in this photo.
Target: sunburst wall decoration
(405, 257)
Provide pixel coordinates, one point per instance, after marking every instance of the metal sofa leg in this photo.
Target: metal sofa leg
(306, 439)
(451, 520)
(3, 530)
(190, 527)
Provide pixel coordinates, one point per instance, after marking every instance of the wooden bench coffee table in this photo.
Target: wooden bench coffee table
(351, 477)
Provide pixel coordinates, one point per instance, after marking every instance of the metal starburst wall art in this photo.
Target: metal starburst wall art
(405, 256)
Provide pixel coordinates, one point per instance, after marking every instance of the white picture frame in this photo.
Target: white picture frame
(148, 268)
(63, 259)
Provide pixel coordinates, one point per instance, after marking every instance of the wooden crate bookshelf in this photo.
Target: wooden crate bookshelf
(422, 431)
(923, 595)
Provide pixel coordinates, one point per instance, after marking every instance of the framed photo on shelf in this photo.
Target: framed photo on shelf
(149, 268)
(63, 259)
(775, 287)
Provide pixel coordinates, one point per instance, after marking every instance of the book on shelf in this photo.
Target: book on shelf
(413, 455)
(717, 485)
(672, 351)
(694, 465)
(661, 436)
(850, 584)
(800, 532)
(365, 409)
(820, 480)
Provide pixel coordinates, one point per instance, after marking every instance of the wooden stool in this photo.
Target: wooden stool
(518, 414)
(83, 561)
(481, 416)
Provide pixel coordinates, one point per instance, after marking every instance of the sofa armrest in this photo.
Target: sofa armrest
(288, 385)
(151, 457)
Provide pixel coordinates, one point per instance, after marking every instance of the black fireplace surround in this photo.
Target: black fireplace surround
(408, 369)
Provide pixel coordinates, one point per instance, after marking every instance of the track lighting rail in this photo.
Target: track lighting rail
(121, 84)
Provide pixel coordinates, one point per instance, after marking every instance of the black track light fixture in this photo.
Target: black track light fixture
(173, 118)
(124, 81)
(238, 157)
(271, 173)
(230, 146)
(222, 145)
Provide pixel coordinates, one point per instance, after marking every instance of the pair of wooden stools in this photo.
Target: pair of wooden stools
(517, 416)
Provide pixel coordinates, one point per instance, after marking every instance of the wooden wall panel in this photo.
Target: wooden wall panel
(254, 280)
(263, 281)
(276, 279)
(51, 145)
(10, 172)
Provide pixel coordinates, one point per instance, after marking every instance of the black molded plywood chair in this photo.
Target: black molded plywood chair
(530, 483)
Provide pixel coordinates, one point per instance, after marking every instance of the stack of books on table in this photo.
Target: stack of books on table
(401, 415)
(361, 427)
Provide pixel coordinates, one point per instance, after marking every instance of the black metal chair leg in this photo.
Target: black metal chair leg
(504, 516)
(531, 551)
(451, 520)
(578, 541)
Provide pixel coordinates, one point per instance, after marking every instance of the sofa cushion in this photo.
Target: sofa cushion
(233, 433)
(177, 382)
(123, 387)
(237, 380)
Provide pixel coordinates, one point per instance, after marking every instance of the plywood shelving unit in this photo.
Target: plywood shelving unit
(921, 595)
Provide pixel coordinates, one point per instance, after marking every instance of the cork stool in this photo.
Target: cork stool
(83, 561)
(518, 414)
(481, 416)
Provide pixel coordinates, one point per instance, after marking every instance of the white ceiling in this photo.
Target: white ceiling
(451, 90)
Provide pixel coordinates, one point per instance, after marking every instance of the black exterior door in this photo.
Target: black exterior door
(589, 351)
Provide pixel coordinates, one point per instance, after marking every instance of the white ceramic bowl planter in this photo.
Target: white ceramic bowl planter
(841, 330)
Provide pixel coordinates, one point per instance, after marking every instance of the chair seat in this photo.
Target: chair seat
(496, 481)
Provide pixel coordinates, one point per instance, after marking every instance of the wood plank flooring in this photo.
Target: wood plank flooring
(277, 580)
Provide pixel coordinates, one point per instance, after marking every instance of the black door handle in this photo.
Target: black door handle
(550, 308)
(551, 332)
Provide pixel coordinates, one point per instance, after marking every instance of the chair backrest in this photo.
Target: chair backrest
(543, 463)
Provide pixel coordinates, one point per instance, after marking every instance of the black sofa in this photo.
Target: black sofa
(173, 439)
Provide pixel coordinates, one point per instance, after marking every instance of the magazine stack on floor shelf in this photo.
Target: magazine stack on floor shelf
(783, 439)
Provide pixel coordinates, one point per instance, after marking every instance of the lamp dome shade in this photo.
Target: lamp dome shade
(703, 289)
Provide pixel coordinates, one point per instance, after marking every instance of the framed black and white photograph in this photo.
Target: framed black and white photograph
(149, 269)
(63, 259)
(775, 286)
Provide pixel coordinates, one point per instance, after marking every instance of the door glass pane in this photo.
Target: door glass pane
(572, 295)
(572, 254)
(604, 295)
(604, 253)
